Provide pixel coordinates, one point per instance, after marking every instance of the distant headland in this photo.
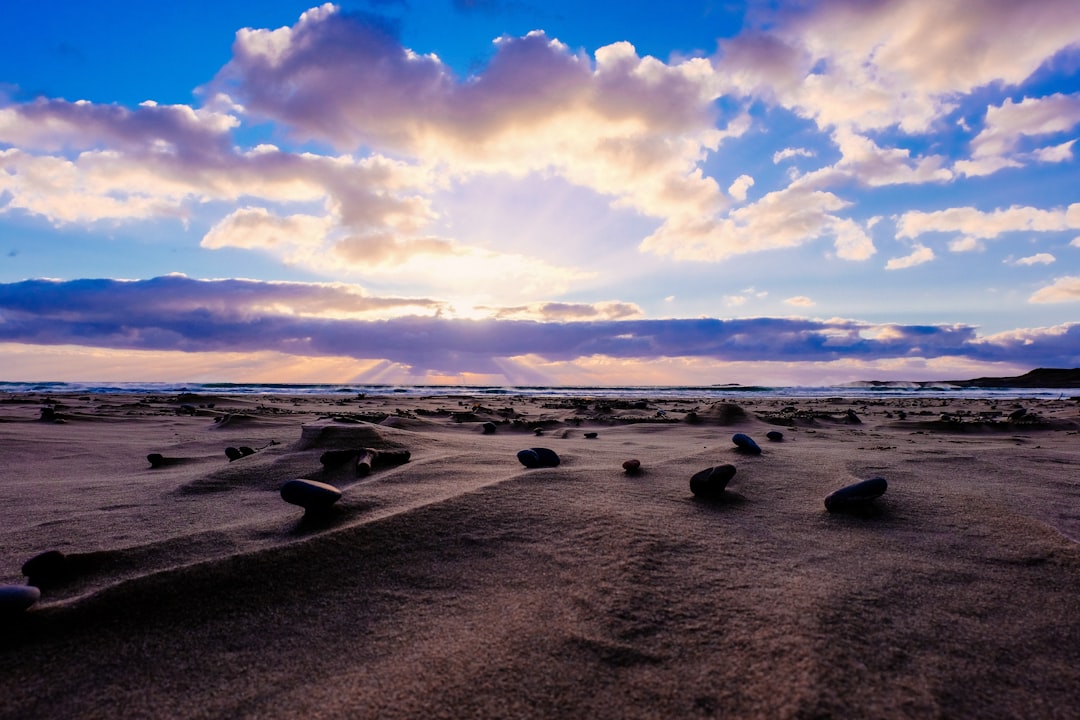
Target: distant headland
(1038, 378)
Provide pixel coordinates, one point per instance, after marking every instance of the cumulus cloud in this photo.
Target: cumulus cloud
(800, 301)
(1000, 144)
(920, 254)
(867, 163)
(1063, 289)
(1036, 259)
(630, 127)
(899, 63)
(784, 218)
(1009, 122)
(739, 188)
(787, 153)
(975, 224)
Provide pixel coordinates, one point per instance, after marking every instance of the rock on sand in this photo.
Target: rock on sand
(745, 444)
(710, 482)
(857, 496)
(538, 458)
(310, 494)
(14, 599)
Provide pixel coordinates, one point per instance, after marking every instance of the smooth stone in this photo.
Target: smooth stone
(856, 496)
(852, 418)
(745, 444)
(15, 599)
(310, 494)
(156, 460)
(775, 435)
(46, 568)
(591, 435)
(233, 453)
(710, 482)
(632, 467)
(538, 458)
(245, 450)
(489, 428)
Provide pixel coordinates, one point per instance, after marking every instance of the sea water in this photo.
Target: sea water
(854, 391)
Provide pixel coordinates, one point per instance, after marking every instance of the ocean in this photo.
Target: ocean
(867, 390)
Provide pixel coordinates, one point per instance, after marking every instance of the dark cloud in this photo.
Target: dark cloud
(178, 313)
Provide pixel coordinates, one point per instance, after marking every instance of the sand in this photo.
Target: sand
(464, 585)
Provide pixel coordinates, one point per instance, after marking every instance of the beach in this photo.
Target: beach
(462, 584)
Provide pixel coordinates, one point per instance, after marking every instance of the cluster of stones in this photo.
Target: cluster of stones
(317, 497)
(711, 483)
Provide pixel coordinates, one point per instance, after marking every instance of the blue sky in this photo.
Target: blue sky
(515, 192)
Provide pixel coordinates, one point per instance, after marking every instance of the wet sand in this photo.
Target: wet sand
(463, 584)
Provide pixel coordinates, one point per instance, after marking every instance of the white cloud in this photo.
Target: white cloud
(800, 301)
(977, 224)
(919, 255)
(785, 218)
(899, 62)
(1007, 123)
(740, 186)
(630, 127)
(865, 161)
(1036, 259)
(1055, 153)
(788, 153)
(1063, 289)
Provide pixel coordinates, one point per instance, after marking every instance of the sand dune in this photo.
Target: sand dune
(463, 584)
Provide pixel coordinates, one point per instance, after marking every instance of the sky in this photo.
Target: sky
(510, 192)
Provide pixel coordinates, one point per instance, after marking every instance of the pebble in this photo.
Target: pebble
(233, 453)
(14, 599)
(310, 494)
(156, 460)
(591, 435)
(857, 496)
(632, 467)
(245, 450)
(710, 482)
(489, 428)
(775, 435)
(538, 458)
(47, 568)
(746, 444)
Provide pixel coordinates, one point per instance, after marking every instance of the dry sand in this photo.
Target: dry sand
(463, 585)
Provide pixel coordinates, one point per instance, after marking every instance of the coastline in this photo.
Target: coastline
(461, 583)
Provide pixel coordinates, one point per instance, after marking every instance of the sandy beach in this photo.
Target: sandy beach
(462, 584)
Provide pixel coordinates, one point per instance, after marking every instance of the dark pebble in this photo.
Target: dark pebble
(310, 494)
(245, 450)
(47, 568)
(857, 496)
(632, 467)
(538, 458)
(15, 599)
(233, 453)
(775, 435)
(489, 428)
(710, 483)
(745, 444)
(155, 459)
(591, 435)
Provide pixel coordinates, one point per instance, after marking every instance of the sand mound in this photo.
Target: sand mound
(723, 414)
(347, 436)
